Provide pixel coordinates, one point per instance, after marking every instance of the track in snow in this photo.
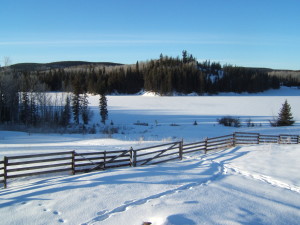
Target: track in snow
(105, 214)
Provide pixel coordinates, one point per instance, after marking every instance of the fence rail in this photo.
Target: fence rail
(75, 162)
(1, 172)
(153, 155)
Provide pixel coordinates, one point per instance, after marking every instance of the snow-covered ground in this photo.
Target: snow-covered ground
(241, 185)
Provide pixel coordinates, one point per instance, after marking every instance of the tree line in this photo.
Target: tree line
(27, 102)
(165, 75)
(24, 98)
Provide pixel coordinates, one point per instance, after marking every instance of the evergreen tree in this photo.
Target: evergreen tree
(76, 107)
(76, 99)
(33, 111)
(66, 114)
(285, 117)
(25, 108)
(184, 56)
(85, 109)
(103, 108)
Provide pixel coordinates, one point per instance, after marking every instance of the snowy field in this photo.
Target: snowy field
(241, 185)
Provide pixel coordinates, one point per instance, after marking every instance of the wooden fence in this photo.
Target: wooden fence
(75, 162)
(157, 154)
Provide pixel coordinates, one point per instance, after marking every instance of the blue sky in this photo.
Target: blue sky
(257, 33)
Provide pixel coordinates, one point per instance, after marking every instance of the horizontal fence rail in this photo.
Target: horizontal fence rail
(77, 162)
(37, 164)
(157, 154)
(86, 162)
(1, 172)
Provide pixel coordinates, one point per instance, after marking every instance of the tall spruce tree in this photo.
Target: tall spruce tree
(25, 108)
(76, 99)
(285, 117)
(103, 108)
(66, 113)
(85, 109)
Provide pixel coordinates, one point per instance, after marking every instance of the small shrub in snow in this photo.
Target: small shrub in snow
(110, 130)
(249, 123)
(138, 123)
(229, 121)
(92, 130)
(195, 123)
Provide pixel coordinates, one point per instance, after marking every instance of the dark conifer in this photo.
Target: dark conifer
(25, 108)
(85, 109)
(285, 117)
(66, 114)
(103, 108)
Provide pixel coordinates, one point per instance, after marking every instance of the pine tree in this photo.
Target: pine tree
(85, 109)
(66, 114)
(103, 108)
(76, 99)
(76, 107)
(33, 111)
(285, 117)
(25, 108)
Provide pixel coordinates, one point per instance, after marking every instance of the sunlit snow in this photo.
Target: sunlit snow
(256, 184)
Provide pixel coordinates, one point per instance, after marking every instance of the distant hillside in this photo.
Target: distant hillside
(57, 65)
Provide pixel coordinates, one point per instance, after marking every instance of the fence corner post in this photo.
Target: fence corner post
(5, 161)
(73, 162)
(180, 149)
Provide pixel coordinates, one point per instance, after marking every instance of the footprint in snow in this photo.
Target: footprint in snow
(101, 212)
(128, 202)
(56, 212)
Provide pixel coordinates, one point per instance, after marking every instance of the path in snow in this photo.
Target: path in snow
(220, 170)
(103, 215)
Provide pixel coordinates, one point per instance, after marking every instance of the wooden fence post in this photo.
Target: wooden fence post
(180, 149)
(73, 163)
(131, 156)
(233, 139)
(258, 139)
(279, 139)
(104, 159)
(205, 150)
(134, 158)
(5, 162)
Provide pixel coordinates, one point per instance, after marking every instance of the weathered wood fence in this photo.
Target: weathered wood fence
(75, 162)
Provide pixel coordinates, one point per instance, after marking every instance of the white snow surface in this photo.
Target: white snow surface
(255, 184)
(241, 185)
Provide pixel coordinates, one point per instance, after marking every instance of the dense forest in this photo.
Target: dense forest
(24, 99)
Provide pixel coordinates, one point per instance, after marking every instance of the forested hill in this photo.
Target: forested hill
(58, 65)
(165, 75)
